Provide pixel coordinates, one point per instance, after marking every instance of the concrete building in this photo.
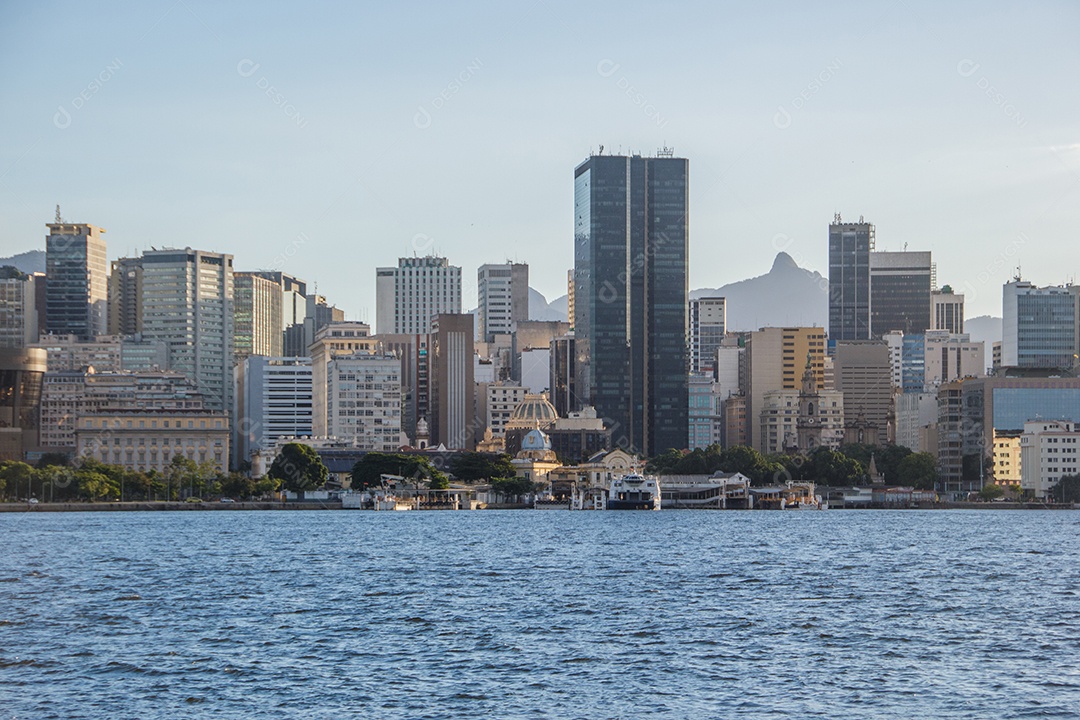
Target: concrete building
(503, 295)
(900, 286)
(864, 376)
(147, 440)
(850, 245)
(736, 426)
(452, 384)
(318, 314)
(1007, 459)
(68, 396)
(423, 287)
(257, 327)
(125, 296)
(708, 324)
(364, 400)
(703, 411)
(293, 311)
(21, 373)
(1039, 326)
(1049, 451)
(77, 271)
(973, 411)
(562, 386)
(801, 421)
(18, 308)
(187, 302)
(332, 340)
(950, 357)
(105, 353)
(501, 399)
(631, 237)
(776, 358)
(947, 310)
(915, 412)
(273, 400)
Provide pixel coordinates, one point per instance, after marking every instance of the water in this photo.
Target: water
(540, 614)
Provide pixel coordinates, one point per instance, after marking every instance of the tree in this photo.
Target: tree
(991, 491)
(1067, 489)
(14, 476)
(180, 473)
(96, 485)
(513, 487)
(56, 459)
(665, 463)
(919, 470)
(368, 470)
(833, 468)
(237, 485)
(475, 466)
(299, 468)
(887, 458)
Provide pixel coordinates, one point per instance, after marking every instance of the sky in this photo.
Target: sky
(327, 139)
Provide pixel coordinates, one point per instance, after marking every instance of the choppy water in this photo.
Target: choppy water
(540, 614)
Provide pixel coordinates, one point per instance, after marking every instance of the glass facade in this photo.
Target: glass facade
(77, 288)
(1015, 406)
(1045, 330)
(630, 274)
(900, 285)
(849, 281)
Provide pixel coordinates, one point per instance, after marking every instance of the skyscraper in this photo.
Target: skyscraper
(125, 296)
(503, 294)
(76, 288)
(947, 310)
(187, 301)
(1038, 325)
(18, 309)
(452, 385)
(630, 296)
(900, 285)
(293, 311)
(423, 287)
(849, 279)
(257, 326)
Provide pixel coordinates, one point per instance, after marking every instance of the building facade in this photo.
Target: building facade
(900, 287)
(1039, 325)
(1049, 451)
(452, 384)
(148, 440)
(776, 358)
(850, 245)
(423, 287)
(257, 326)
(364, 400)
(273, 400)
(630, 296)
(708, 323)
(503, 295)
(947, 310)
(18, 308)
(77, 272)
(863, 374)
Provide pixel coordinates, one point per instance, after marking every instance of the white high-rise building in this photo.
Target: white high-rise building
(1039, 325)
(364, 400)
(1049, 451)
(187, 302)
(18, 310)
(947, 310)
(338, 338)
(708, 323)
(273, 400)
(503, 295)
(423, 287)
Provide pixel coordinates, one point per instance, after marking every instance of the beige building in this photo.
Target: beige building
(776, 358)
(1007, 459)
(257, 327)
(501, 399)
(1049, 451)
(335, 338)
(363, 393)
(18, 309)
(864, 376)
(950, 357)
(148, 440)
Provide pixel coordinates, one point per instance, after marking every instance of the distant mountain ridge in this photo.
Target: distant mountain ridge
(786, 296)
(31, 261)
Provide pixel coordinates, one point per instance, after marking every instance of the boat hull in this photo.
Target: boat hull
(632, 505)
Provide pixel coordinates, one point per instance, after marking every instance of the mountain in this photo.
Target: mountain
(541, 309)
(987, 329)
(31, 261)
(786, 296)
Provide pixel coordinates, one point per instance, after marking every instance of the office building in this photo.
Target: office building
(900, 286)
(125, 297)
(1049, 451)
(187, 302)
(503, 295)
(801, 421)
(452, 381)
(500, 401)
(293, 310)
(915, 412)
(775, 359)
(319, 313)
(273, 401)
(947, 310)
(850, 245)
(18, 308)
(335, 339)
(703, 411)
(863, 375)
(950, 357)
(630, 296)
(21, 373)
(562, 384)
(423, 287)
(1039, 325)
(257, 326)
(364, 400)
(77, 271)
(708, 323)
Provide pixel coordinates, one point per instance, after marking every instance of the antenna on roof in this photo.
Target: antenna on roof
(58, 218)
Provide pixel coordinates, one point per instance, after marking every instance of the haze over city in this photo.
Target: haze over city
(344, 137)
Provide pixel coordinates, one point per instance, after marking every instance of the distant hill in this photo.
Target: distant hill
(987, 329)
(29, 262)
(541, 309)
(786, 296)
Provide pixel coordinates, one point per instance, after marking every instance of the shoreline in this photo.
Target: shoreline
(206, 506)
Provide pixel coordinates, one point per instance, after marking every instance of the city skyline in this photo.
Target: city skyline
(216, 128)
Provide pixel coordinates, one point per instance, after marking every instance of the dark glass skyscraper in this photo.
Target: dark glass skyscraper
(76, 280)
(900, 286)
(849, 279)
(630, 288)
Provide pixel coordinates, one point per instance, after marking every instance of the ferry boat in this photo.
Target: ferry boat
(634, 492)
(550, 503)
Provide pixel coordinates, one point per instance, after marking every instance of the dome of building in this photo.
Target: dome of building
(534, 411)
(535, 439)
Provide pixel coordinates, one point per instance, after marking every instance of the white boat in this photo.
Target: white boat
(634, 492)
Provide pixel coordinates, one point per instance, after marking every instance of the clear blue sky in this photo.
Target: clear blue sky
(456, 127)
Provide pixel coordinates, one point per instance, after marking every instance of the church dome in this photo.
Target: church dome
(536, 440)
(532, 412)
